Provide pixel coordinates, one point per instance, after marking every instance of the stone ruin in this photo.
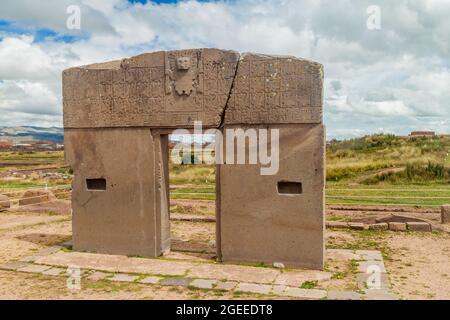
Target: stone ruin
(117, 118)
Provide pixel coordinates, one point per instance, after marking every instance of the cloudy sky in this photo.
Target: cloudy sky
(392, 79)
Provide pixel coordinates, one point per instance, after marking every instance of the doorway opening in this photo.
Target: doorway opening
(192, 195)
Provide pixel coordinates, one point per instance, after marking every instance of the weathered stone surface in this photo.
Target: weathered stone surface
(379, 226)
(36, 197)
(176, 282)
(13, 266)
(279, 89)
(122, 218)
(54, 271)
(234, 273)
(337, 224)
(397, 226)
(151, 280)
(445, 213)
(370, 255)
(203, 284)
(254, 288)
(419, 226)
(34, 268)
(343, 295)
(357, 226)
(226, 285)
(379, 295)
(155, 90)
(120, 277)
(120, 199)
(98, 275)
(305, 293)
(264, 225)
(150, 90)
(115, 263)
(278, 289)
(5, 203)
(342, 254)
(296, 278)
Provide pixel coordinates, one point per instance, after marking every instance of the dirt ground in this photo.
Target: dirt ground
(418, 263)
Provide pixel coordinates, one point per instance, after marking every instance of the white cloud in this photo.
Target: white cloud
(396, 78)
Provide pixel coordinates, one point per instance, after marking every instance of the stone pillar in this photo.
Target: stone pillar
(445, 213)
(120, 195)
(279, 217)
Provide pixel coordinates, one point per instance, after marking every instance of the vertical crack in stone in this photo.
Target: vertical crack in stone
(222, 114)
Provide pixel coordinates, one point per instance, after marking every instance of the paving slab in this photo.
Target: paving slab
(116, 263)
(98, 275)
(151, 280)
(337, 224)
(379, 295)
(13, 266)
(305, 293)
(34, 268)
(343, 295)
(370, 255)
(419, 226)
(54, 272)
(120, 277)
(296, 278)
(226, 285)
(234, 273)
(203, 284)
(278, 289)
(176, 282)
(254, 288)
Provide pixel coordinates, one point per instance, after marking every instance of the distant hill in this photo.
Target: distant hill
(28, 133)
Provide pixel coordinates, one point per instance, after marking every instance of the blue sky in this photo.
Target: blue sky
(394, 79)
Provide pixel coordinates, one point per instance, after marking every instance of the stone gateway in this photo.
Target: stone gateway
(117, 118)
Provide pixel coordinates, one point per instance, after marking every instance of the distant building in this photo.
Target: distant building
(422, 134)
(5, 145)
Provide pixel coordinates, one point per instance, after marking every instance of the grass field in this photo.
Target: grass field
(380, 169)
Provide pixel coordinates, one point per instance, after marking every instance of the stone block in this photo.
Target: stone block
(357, 226)
(36, 197)
(120, 277)
(343, 295)
(13, 266)
(382, 294)
(5, 203)
(337, 224)
(34, 268)
(419, 226)
(98, 275)
(176, 282)
(54, 272)
(254, 288)
(445, 213)
(151, 280)
(203, 284)
(379, 226)
(305, 293)
(289, 227)
(397, 226)
(226, 285)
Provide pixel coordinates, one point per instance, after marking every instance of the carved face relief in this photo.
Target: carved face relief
(183, 63)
